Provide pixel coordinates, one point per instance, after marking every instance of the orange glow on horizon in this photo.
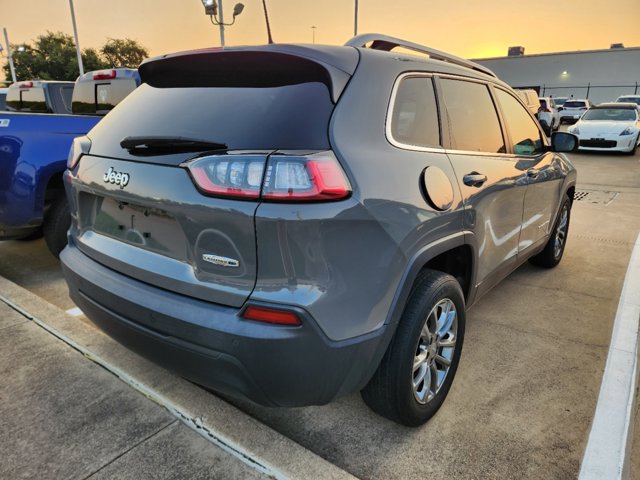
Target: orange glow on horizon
(467, 29)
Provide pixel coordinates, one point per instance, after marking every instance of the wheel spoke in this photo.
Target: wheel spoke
(448, 341)
(420, 358)
(443, 361)
(424, 375)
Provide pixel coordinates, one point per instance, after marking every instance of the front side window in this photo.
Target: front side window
(414, 120)
(473, 120)
(525, 134)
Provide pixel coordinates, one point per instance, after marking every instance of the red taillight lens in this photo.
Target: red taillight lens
(547, 110)
(271, 315)
(25, 85)
(104, 74)
(288, 178)
(308, 178)
(228, 175)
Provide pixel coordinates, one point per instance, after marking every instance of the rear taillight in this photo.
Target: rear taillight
(228, 175)
(79, 147)
(547, 110)
(288, 178)
(25, 85)
(104, 74)
(305, 178)
(271, 315)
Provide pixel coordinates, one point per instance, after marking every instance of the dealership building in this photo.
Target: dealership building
(599, 75)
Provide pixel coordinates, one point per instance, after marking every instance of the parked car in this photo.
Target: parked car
(291, 223)
(629, 98)
(573, 109)
(530, 98)
(3, 98)
(35, 135)
(548, 115)
(609, 127)
(559, 101)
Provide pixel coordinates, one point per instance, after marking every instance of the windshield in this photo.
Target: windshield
(574, 104)
(610, 114)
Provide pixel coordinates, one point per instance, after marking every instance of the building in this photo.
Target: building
(600, 75)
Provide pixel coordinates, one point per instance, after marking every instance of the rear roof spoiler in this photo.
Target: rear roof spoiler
(386, 43)
(261, 66)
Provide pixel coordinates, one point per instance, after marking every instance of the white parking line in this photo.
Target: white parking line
(611, 437)
(74, 312)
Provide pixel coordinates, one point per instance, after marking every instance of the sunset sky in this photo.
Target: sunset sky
(469, 28)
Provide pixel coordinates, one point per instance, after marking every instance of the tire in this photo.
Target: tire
(395, 390)
(554, 249)
(632, 152)
(56, 224)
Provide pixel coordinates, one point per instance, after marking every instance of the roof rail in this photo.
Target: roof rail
(386, 43)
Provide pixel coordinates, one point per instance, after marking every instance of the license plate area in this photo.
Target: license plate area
(150, 228)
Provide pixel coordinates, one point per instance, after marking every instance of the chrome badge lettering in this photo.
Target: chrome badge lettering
(117, 178)
(221, 261)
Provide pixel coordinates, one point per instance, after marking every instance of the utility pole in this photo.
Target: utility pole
(313, 30)
(75, 34)
(355, 21)
(9, 56)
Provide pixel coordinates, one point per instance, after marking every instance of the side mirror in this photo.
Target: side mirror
(564, 142)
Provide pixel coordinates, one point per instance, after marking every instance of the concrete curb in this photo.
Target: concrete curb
(610, 441)
(227, 427)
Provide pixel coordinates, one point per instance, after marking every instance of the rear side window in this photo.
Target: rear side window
(525, 135)
(27, 100)
(99, 97)
(473, 120)
(285, 117)
(3, 103)
(414, 120)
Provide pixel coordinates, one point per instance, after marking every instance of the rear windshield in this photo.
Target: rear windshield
(100, 96)
(543, 103)
(629, 99)
(285, 117)
(611, 114)
(27, 100)
(573, 104)
(559, 101)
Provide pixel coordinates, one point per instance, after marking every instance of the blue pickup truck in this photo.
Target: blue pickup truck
(36, 131)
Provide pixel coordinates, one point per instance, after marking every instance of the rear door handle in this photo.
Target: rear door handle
(533, 172)
(474, 179)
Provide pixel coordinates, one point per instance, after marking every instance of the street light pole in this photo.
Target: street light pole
(75, 34)
(355, 21)
(221, 20)
(313, 30)
(9, 56)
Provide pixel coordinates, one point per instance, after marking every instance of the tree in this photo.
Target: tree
(53, 57)
(123, 53)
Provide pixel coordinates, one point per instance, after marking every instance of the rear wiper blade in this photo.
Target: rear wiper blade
(158, 145)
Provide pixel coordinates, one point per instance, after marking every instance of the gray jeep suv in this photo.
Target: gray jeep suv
(291, 223)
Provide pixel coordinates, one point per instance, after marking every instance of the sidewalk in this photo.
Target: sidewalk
(62, 416)
(76, 404)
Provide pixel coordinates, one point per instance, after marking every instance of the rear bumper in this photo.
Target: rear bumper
(211, 345)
